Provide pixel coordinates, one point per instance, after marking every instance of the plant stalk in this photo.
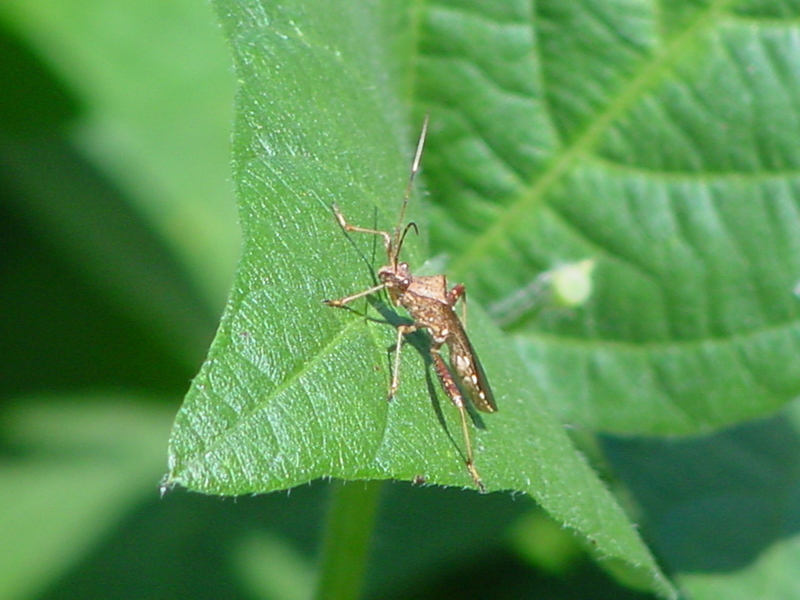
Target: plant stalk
(348, 531)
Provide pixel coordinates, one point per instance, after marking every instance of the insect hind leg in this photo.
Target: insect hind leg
(452, 391)
(458, 292)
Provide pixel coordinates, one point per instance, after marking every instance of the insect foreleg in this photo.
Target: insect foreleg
(387, 240)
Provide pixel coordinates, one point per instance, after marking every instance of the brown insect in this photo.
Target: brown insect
(431, 306)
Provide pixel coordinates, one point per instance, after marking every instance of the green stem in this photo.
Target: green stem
(351, 518)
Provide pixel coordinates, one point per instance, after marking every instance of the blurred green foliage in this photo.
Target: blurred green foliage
(659, 144)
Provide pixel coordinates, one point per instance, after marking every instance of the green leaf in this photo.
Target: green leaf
(657, 140)
(293, 390)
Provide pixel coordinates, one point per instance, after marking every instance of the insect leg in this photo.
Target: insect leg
(387, 240)
(350, 298)
(453, 296)
(452, 391)
(401, 331)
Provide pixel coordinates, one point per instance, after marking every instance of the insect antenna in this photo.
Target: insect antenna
(403, 237)
(399, 231)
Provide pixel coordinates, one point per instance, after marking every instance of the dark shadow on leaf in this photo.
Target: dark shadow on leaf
(714, 503)
(421, 342)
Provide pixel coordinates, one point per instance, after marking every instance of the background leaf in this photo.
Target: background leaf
(144, 74)
(657, 141)
(690, 491)
(108, 452)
